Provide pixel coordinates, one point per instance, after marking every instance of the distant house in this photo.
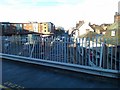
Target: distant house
(113, 34)
(83, 29)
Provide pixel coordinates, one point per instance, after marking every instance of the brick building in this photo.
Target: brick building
(27, 28)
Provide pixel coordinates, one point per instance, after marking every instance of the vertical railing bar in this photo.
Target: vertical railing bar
(56, 50)
(42, 42)
(15, 45)
(71, 51)
(76, 48)
(96, 52)
(18, 45)
(44, 47)
(12, 45)
(3, 44)
(51, 39)
(69, 58)
(29, 45)
(23, 46)
(103, 51)
(66, 46)
(89, 52)
(62, 50)
(59, 55)
(36, 47)
(40, 46)
(39, 43)
(82, 52)
(85, 50)
(65, 60)
(26, 51)
(92, 52)
(111, 56)
(8, 45)
(108, 53)
(68, 49)
(78, 51)
(73, 47)
(116, 54)
(52, 48)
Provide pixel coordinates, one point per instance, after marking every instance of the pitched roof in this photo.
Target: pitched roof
(97, 27)
(89, 34)
(114, 26)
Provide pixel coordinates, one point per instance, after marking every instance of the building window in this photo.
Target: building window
(112, 33)
(45, 27)
(44, 30)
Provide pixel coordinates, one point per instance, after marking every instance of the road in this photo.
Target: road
(23, 75)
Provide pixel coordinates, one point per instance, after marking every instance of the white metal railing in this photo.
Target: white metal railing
(91, 52)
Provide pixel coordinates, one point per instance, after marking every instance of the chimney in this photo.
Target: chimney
(94, 25)
(78, 25)
(89, 23)
(116, 17)
(116, 13)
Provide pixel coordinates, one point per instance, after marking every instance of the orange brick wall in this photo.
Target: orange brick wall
(28, 26)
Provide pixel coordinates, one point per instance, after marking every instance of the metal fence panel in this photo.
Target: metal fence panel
(92, 52)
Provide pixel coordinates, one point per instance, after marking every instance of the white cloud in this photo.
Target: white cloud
(66, 15)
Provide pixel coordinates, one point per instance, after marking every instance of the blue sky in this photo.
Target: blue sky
(39, 2)
(61, 12)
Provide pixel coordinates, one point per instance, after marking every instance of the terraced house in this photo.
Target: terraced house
(44, 28)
